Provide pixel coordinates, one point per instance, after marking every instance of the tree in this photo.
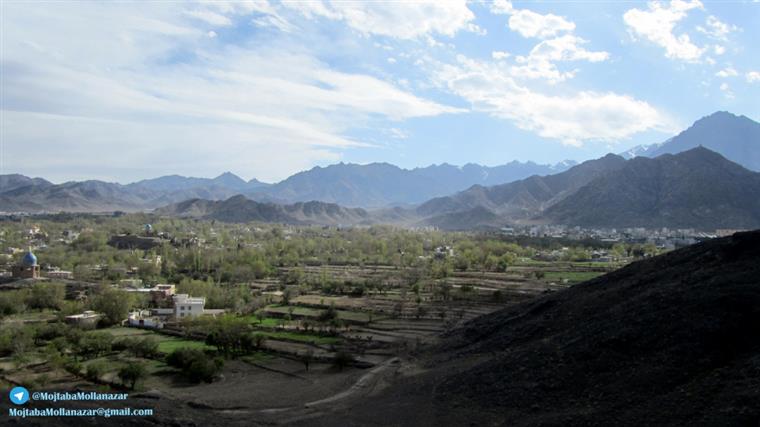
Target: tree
(306, 358)
(505, 261)
(327, 315)
(131, 373)
(253, 341)
(95, 344)
(139, 347)
(343, 359)
(228, 333)
(94, 371)
(46, 295)
(114, 305)
(194, 364)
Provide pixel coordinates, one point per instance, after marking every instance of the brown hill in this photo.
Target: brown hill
(668, 341)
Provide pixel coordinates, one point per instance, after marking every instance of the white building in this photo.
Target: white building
(59, 274)
(187, 306)
(145, 319)
(86, 318)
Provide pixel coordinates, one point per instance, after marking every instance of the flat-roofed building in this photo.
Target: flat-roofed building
(187, 306)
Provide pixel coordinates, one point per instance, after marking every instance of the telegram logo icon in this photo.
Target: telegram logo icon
(19, 395)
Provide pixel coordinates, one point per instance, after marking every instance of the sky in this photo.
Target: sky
(121, 91)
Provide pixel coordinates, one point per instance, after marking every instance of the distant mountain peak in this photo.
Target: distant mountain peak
(737, 138)
(228, 176)
(697, 188)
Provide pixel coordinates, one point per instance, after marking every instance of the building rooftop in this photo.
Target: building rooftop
(29, 260)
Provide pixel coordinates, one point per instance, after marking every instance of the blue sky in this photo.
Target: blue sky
(124, 91)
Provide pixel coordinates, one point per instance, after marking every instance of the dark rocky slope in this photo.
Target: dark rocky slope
(674, 340)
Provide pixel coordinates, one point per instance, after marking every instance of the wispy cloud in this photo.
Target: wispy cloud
(572, 119)
(156, 78)
(402, 20)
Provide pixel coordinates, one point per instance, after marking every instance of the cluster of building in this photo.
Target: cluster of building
(665, 238)
(28, 268)
(167, 307)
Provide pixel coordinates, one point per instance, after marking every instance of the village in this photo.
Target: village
(142, 302)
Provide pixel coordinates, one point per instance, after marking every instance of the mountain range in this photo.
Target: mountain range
(695, 188)
(374, 185)
(515, 201)
(379, 185)
(241, 209)
(737, 138)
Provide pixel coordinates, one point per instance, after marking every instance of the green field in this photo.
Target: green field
(269, 322)
(315, 312)
(170, 344)
(307, 338)
(571, 276)
(166, 343)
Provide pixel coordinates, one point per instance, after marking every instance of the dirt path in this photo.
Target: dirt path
(364, 385)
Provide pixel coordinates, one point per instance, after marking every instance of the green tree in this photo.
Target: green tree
(46, 295)
(95, 344)
(228, 333)
(194, 364)
(131, 373)
(114, 305)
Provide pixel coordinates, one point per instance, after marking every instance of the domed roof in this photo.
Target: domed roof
(148, 227)
(29, 260)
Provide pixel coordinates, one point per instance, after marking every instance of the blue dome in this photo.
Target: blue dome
(29, 259)
(148, 228)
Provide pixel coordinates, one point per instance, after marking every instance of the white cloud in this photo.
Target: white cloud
(397, 133)
(717, 29)
(531, 24)
(753, 76)
(274, 21)
(391, 60)
(726, 89)
(501, 7)
(222, 12)
(402, 20)
(254, 109)
(210, 17)
(474, 28)
(727, 72)
(498, 54)
(719, 50)
(572, 119)
(657, 24)
(540, 62)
